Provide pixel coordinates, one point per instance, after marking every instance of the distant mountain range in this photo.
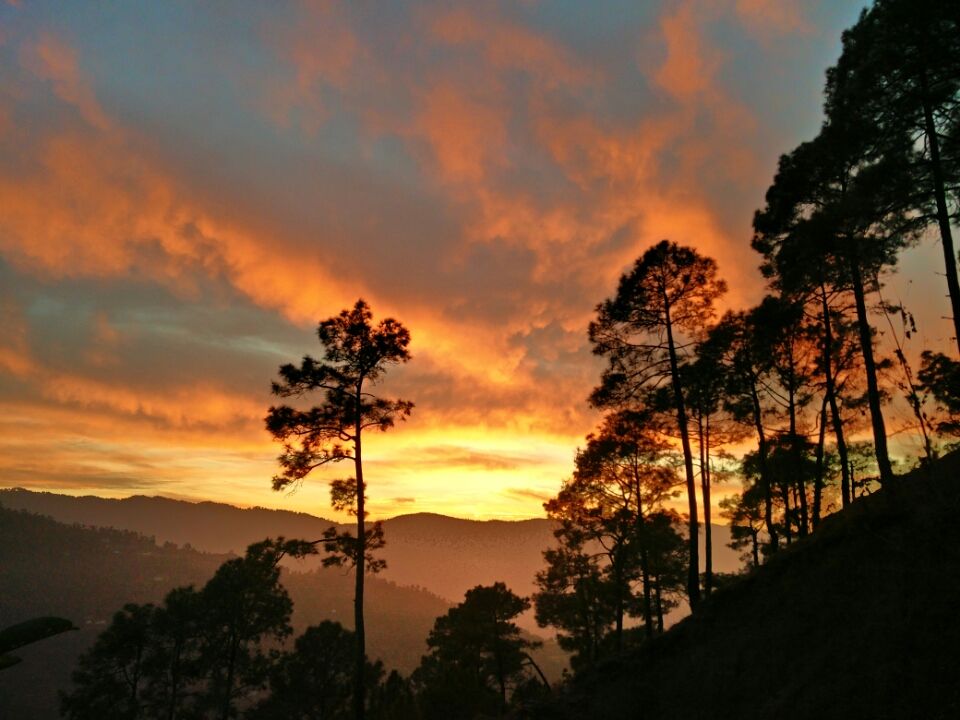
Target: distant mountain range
(84, 557)
(444, 555)
(207, 526)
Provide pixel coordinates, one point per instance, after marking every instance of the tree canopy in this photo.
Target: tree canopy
(356, 355)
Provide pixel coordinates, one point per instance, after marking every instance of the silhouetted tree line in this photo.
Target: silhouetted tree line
(201, 653)
(222, 652)
(801, 374)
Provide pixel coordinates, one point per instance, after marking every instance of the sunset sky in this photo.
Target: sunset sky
(187, 188)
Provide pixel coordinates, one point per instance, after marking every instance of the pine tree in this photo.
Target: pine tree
(662, 306)
(356, 356)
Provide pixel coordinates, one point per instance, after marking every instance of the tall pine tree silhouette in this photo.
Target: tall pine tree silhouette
(645, 331)
(356, 356)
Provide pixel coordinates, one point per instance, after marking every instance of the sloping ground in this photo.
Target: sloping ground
(861, 620)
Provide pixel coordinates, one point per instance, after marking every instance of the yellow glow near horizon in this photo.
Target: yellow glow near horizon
(474, 473)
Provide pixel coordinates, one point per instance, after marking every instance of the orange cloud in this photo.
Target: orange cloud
(516, 180)
(689, 66)
(322, 50)
(508, 46)
(51, 59)
(465, 119)
(773, 16)
(467, 134)
(93, 203)
(123, 207)
(191, 405)
(14, 353)
(110, 225)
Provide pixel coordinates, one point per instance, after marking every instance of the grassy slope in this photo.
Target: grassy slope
(862, 620)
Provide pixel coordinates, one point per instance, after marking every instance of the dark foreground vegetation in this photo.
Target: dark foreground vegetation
(857, 621)
(88, 574)
(221, 651)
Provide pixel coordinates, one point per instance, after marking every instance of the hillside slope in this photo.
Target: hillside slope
(859, 621)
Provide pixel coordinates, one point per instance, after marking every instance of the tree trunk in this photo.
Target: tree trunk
(135, 683)
(870, 367)
(693, 574)
(787, 523)
(943, 215)
(647, 599)
(644, 566)
(359, 681)
(831, 390)
(772, 540)
(501, 674)
(618, 632)
(800, 484)
(231, 669)
(595, 634)
(703, 430)
(589, 617)
(659, 606)
(533, 664)
(175, 680)
(818, 478)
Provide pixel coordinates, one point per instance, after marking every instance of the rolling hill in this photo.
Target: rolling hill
(446, 556)
(91, 555)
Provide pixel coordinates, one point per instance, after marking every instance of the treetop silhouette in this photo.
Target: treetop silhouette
(661, 308)
(356, 355)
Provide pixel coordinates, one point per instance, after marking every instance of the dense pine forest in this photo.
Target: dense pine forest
(845, 604)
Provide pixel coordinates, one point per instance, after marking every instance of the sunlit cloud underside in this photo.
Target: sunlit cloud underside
(186, 191)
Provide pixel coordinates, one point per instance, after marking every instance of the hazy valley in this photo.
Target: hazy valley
(85, 557)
